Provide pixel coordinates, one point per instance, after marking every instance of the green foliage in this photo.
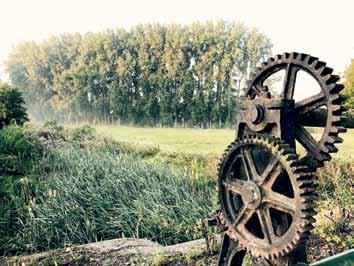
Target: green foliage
(19, 152)
(84, 133)
(11, 106)
(62, 186)
(94, 196)
(336, 184)
(336, 192)
(153, 74)
(76, 188)
(349, 85)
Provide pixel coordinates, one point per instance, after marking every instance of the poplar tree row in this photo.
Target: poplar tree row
(152, 74)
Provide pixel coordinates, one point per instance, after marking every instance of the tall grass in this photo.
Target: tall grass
(79, 188)
(90, 196)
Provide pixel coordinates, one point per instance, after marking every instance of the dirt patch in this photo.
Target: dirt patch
(133, 252)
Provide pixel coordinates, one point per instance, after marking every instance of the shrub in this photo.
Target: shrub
(11, 106)
(336, 207)
(19, 152)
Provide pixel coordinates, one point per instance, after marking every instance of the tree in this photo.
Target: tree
(153, 74)
(11, 106)
(349, 85)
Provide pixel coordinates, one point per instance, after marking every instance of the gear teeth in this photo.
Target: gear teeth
(258, 69)
(314, 63)
(303, 169)
(321, 70)
(306, 235)
(304, 177)
(335, 139)
(332, 79)
(308, 213)
(270, 60)
(291, 157)
(337, 109)
(328, 82)
(335, 88)
(326, 71)
(325, 156)
(339, 129)
(311, 220)
(338, 100)
(336, 118)
(305, 192)
(331, 148)
(311, 60)
(288, 249)
(303, 57)
(319, 65)
(308, 227)
(308, 203)
(286, 55)
(294, 55)
(283, 147)
(306, 183)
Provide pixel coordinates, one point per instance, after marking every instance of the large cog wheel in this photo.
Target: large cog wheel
(266, 196)
(329, 97)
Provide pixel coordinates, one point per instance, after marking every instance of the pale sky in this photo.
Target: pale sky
(322, 28)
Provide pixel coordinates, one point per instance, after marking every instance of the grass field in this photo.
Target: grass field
(204, 141)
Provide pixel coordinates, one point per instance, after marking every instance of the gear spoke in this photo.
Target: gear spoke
(244, 218)
(249, 164)
(308, 112)
(266, 224)
(277, 170)
(260, 219)
(230, 205)
(235, 186)
(271, 172)
(231, 168)
(309, 104)
(280, 202)
(307, 141)
(240, 216)
(270, 213)
(289, 81)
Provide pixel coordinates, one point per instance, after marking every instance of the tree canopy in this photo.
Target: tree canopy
(152, 74)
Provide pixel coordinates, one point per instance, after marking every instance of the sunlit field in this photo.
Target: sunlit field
(205, 141)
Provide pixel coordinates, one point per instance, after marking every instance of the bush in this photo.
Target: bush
(11, 106)
(19, 152)
(95, 196)
(336, 208)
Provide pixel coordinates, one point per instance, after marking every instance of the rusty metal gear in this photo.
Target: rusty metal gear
(266, 196)
(328, 101)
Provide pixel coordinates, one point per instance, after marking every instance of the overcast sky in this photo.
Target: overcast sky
(322, 28)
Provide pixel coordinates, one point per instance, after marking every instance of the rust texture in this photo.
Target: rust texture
(266, 191)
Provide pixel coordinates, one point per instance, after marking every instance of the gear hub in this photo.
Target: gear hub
(267, 194)
(257, 199)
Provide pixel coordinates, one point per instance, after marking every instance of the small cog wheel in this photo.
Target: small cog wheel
(267, 196)
(328, 100)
